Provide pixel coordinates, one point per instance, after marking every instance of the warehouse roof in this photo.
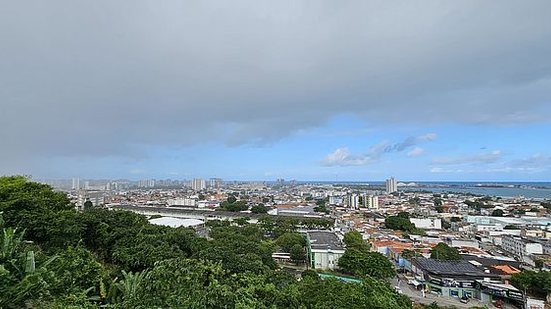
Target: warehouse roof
(324, 240)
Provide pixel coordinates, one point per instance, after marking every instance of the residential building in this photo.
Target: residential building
(427, 223)
(371, 201)
(198, 184)
(520, 247)
(391, 185)
(215, 183)
(353, 201)
(324, 249)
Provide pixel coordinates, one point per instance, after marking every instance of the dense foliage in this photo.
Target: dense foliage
(52, 256)
(444, 252)
(401, 222)
(537, 284)
(359, 261)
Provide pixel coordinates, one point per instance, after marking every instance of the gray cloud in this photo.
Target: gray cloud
(109, 78)
(536, 162)
(478, 158)
(491, 163)
(343, 157)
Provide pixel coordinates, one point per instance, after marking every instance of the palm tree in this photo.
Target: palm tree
(20, 268)
(9, 243)
(129, 286)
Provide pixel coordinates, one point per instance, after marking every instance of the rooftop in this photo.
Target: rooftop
(176, 222)
(323, 240)
(440, 267)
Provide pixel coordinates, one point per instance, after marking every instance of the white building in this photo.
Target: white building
(371, 201)
(324, 249)
(95, 197)
(146, 183)
(177, 222)
(335, 200)
(391, 185)
(520, 247)
(198, 184)
(353, 201)
(183, 201)
(76, 184)
(215, 183)
(427, 223)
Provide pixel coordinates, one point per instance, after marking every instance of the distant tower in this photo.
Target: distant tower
(198, 184)
(215, 183)
(76, 184)
(391, 185)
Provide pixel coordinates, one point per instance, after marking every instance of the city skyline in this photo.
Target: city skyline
(357, 91)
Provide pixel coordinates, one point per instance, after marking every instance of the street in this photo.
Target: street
(417, 296)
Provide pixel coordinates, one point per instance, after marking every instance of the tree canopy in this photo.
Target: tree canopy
(401, 222)
(52, 256)
(444, 252)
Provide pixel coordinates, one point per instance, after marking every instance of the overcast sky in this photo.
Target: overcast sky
(348, 90)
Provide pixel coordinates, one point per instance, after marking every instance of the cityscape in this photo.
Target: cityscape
(493, 237)
(285, 154)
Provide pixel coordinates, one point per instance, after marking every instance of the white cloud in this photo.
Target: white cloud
(343, 157)
(479, 158)
(415, 152)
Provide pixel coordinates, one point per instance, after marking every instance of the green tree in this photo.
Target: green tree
(259, 209)
(444, 252)
(47, 216)
(183, 283)
(365, 263)
(76, 270)
(231, 199)
(354, 239)
(401, 222)
(408, 254)
(497, 213)
(537, 284)
(88, 204)
(288, 240)
(297, 252)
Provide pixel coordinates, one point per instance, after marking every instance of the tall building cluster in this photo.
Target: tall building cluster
(391, 185)
(146, 183)
(198, 184)
(215, 183)
(362, 201)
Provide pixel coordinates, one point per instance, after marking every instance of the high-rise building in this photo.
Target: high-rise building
(146, 183)
(198, 184)
(215, 183)
(353, 201)
(76, 184)
(371, 201)
(391, 185)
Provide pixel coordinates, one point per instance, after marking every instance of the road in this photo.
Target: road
(417, 296)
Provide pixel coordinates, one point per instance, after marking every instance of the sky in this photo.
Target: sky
(259, 90)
